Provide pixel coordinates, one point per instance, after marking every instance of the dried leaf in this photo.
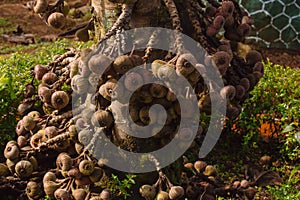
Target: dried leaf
(253, 171)
(250, 192)
(268, 178)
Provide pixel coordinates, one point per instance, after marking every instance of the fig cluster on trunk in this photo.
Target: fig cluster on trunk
(82, 93)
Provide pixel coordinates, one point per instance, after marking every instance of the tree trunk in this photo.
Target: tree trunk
(105, 13)
(145, 14)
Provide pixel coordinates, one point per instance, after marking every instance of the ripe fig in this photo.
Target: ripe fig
(40, 6)
(56, 20)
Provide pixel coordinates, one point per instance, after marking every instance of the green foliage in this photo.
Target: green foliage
(275, 103)
(287, 190)
(291, 146)
(6, 26)
(284, 192)
(14, 77)
(121, 188)
(4, 22)
(224, 198)
(15, 74)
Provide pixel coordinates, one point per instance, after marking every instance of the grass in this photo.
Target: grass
(290, 189)
(48, 47)
(6, 26)
(4, 22)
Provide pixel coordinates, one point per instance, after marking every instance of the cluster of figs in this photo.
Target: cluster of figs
(70, 98)
(47, 153)
(56, 14)
(53, 14)
(202, 182)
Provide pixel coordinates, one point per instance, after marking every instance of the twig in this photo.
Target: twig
(176, 24)
(192, 8)
(150, 44)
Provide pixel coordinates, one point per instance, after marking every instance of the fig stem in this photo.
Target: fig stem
(150, 44)
(176, 22)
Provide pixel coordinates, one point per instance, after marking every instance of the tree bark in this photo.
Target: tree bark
(145, 14)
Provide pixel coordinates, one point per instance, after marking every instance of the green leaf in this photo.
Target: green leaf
(132, 181)
(297, 136)
(11, 90)
(293, 172)
(4, 81)
(288, 128)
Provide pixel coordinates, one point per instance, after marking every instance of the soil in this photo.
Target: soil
(23, 20)
(283, 57)
(17, 13)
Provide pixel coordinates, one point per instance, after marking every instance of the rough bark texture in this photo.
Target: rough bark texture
(145, 14)
(105, 14)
